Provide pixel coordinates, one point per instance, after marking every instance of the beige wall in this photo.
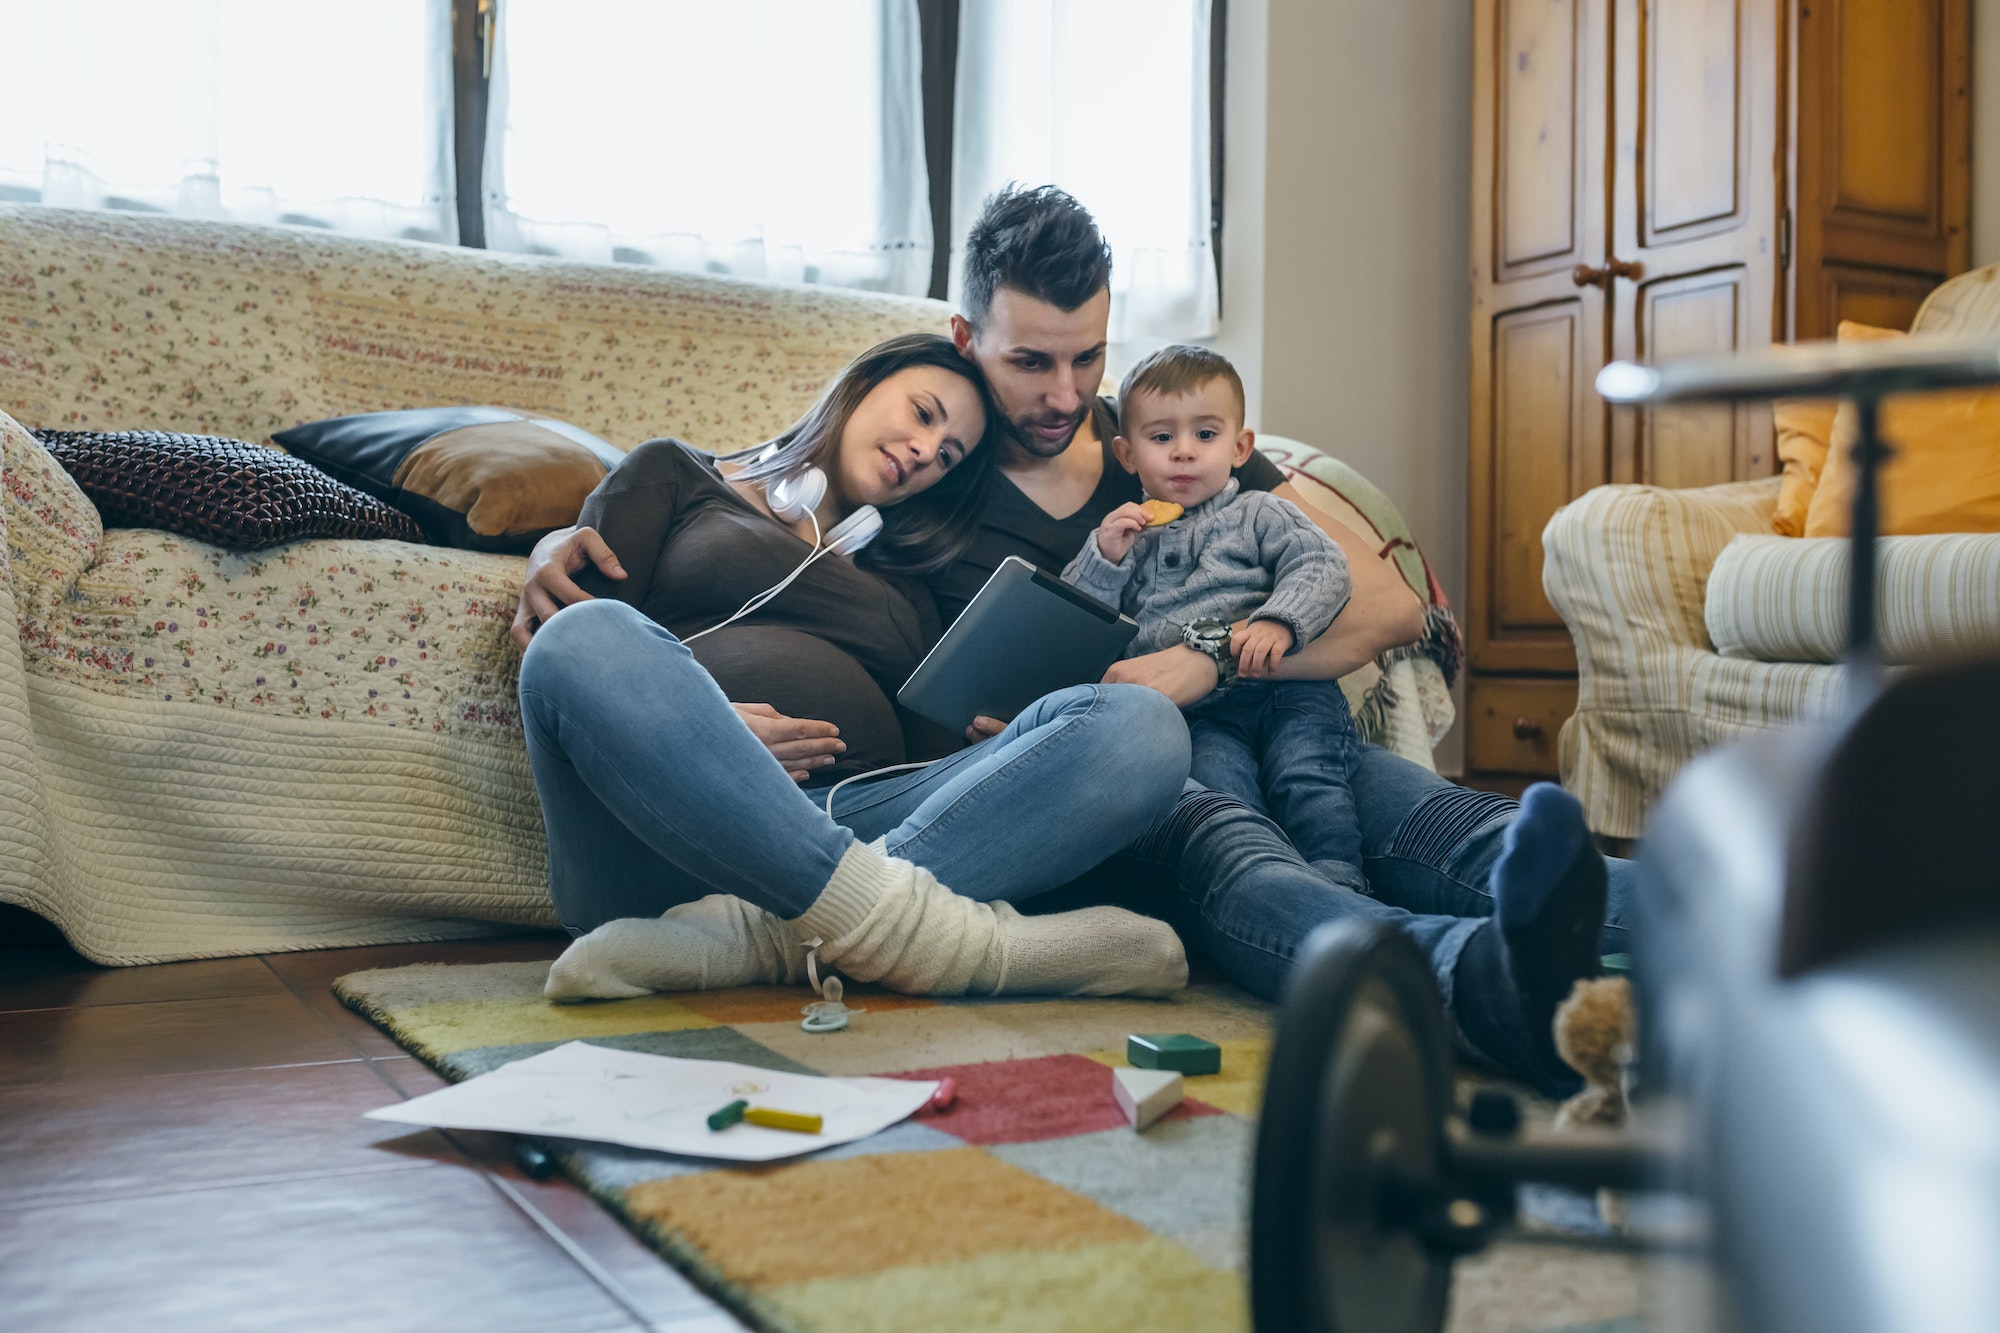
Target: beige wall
(1345, 294)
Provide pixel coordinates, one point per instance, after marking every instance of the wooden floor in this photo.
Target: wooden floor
(182, 1148)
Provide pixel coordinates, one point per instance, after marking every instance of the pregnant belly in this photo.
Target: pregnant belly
(803, 676)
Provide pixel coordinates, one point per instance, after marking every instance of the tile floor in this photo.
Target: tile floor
(182, 1148)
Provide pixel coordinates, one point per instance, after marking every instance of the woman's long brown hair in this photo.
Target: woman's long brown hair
(930, 529)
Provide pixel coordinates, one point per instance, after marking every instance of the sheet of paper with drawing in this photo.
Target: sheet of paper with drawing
(580, 1091)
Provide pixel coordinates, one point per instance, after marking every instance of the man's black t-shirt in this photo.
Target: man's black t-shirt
(1012, 524)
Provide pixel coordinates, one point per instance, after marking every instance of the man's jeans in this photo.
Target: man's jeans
(655, 792)
(1429, 847)
(1285, 749)
(1247, 899)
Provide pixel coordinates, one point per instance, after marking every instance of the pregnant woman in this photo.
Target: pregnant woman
(686, 854)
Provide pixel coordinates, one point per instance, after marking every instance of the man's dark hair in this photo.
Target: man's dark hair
(1039, 241)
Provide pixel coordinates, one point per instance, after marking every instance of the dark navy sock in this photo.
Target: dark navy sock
(1548, 890)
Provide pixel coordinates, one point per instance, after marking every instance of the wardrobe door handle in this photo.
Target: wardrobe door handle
(1526, 730)
(1583, 275)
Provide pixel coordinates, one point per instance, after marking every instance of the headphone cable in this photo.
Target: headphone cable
(759, 600)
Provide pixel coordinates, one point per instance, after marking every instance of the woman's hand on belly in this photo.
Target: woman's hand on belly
(800, 744)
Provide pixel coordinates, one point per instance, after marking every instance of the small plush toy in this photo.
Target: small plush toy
(1597, 1035)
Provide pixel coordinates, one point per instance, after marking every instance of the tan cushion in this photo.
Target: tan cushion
(1943, 472)
(1805, 429)
(1776, 599)
(504, 476)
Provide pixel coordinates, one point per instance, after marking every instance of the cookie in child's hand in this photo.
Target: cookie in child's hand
(1160, 511)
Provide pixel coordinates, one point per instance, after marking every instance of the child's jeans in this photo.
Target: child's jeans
(1286, 749)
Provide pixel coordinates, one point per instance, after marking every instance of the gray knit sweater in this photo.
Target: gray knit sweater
(1231, 557)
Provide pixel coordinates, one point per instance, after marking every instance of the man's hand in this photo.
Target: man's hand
(1259, 647)
(546, 587)
(800, 744)
(1120, 528)
(983, 728)
(1180, 673)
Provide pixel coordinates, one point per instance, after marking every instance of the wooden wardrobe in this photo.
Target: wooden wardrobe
(1658, 178)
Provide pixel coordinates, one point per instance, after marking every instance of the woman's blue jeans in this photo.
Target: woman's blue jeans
(654, 791)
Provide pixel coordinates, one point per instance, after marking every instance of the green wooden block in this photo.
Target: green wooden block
(1173, 1050)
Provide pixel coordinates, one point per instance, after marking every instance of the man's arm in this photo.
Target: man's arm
(1381, 613)
(1309, 579)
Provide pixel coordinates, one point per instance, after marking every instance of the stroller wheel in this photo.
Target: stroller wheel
(1351, 1143)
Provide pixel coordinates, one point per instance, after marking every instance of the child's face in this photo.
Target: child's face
(1183, 445)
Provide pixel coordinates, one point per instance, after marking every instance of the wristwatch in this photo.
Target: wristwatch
(1211, 639)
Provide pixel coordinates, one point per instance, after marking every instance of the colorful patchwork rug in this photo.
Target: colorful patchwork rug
(1030, 1205)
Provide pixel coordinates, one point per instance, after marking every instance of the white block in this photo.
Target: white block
(1146, 1094)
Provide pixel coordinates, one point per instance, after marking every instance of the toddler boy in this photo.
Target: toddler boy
(1284, 748)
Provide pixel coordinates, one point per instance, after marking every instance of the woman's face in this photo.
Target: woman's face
(909, 431)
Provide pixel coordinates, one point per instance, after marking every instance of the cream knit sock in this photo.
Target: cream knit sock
(887, 920)
(715, 942)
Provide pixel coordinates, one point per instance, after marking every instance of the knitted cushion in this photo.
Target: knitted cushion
(222, 491)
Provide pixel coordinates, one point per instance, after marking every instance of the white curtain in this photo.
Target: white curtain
(252, 110)
(1107, 99)
(763, 138)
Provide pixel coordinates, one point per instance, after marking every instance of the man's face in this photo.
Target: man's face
(1044, 364)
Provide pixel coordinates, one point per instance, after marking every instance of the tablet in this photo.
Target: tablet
(1026, 634)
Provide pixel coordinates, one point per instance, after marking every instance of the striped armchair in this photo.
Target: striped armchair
(1694, 625)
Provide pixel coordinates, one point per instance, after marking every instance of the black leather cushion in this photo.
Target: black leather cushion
(223, 491)
(479, 478)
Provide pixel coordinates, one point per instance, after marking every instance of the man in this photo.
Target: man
(1505, 905)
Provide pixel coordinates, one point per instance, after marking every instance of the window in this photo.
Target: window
(686, 133)
(233, 109)
(1109, 100)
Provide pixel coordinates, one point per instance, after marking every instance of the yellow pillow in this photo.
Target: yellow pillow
(1943, 472)
(1804, 428)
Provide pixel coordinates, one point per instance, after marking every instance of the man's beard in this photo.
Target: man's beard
(1034, 442)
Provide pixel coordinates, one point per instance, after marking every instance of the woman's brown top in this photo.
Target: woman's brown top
(835, 645)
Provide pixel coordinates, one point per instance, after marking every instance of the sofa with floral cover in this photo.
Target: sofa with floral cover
(207, 752)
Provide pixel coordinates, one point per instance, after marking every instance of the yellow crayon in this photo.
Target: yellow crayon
(792, 1120)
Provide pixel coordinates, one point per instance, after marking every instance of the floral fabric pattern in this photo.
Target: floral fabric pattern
(359, 631)
(114, 321)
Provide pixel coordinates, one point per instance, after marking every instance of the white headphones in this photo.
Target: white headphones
(795, 497)
(798, 495)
